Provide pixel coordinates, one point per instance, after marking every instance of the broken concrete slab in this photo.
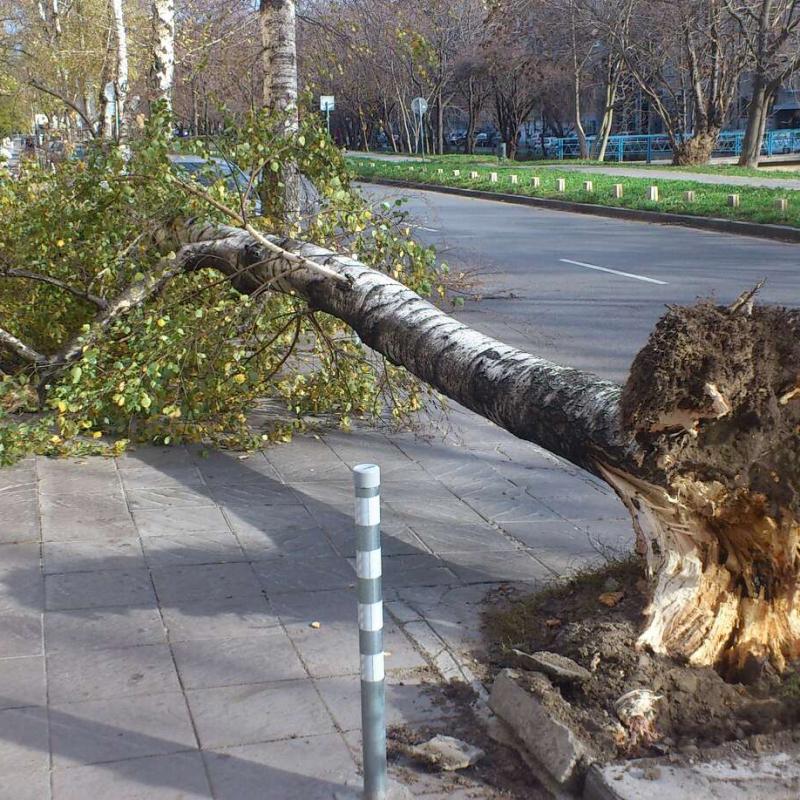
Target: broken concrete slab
(733, 777)
(533, 721)
(447, 753)
(560, 668)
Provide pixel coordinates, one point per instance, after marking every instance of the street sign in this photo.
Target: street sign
(419, 105)
(326, 102)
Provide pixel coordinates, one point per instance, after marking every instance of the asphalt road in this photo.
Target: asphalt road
(570, 304)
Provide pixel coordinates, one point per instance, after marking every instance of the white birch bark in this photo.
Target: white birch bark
(121, 78)
(163, 74)
(280, 58)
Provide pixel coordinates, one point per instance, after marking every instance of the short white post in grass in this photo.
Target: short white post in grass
(782, 204)
(473, 175)
(689, 196)
(652, 194)
(456, 173)
(536, 181)
(440, 171)
(493, 177)
(619, 192)
(588, 186)
(561, 184)
(367, 481)
(733, 200)
(514, 179)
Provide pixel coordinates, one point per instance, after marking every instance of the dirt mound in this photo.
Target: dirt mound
(730, 376)
(595, 620)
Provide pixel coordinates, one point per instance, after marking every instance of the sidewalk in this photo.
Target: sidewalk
(675, 175)
(156, 630)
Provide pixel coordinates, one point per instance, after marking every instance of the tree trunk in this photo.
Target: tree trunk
(280, 96)
(700, 444)
(121, 79)
(757, 113)
(697, 150)
(163, 70)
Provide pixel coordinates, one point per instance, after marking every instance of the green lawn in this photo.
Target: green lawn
(713, 169)
(756, 205)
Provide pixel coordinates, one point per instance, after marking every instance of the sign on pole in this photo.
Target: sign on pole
(419, 105)
(327, 104)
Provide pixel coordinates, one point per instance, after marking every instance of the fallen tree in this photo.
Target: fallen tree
(701, 444)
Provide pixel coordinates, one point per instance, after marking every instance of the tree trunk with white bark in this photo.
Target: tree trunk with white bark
(163, 69)
(121, 77)
(277, 18)
(701, 444)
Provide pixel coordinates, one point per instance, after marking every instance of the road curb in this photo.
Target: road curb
(779, 233)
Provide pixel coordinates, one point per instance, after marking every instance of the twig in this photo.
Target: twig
(100, 302)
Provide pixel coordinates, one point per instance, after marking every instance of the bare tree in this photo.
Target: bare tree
(770, 30)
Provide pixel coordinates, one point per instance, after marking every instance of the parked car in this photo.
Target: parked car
(207, 171)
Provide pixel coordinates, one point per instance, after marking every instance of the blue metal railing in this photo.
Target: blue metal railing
(635, 147)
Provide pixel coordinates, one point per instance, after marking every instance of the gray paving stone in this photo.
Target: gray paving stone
(204, 582)
(510, 505)
(83, 476)
(171, 521)
(100, 628)
(26, 785)
(192, 548)
(68, 517)
(183, 477)
(21, 590)
(295, 769)
(223, 468)
(169, 497)
(80, 674)
(180, 776)
(311, 574)
(23, 741)
(257, 713)
(408, 702)
(265, 493)
(326, 497)
(22, 556)
(158, 457)
(21, 633)
(332, 649)
(21, 474)
(306, 459)
(262, 657)
(615, 534)
(277, 519)
(589, 505)
(297, 544)
(445, 537)
(557, 535)
(22, 682)
(119, 728)
(219, 618)
(20, 519)
(496, 567)
(99, 589)
(416, 570)
(90, 556)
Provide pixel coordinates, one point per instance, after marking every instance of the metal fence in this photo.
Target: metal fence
(653, 147)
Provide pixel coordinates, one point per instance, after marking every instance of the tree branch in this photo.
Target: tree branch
(23, 350)
(100, 302)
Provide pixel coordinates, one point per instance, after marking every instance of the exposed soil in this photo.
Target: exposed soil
(697, 708)
(499, 775)
(752, 360)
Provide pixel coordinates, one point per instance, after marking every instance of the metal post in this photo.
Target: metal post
(328, 118)
(367, 481)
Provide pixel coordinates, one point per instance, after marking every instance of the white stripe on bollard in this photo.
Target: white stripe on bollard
(370, 616)
(368, 564)
(372, 669)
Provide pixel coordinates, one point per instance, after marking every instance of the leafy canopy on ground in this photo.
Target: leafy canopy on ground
(191, 362)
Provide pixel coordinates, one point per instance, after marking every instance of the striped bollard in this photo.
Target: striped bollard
(367, 481)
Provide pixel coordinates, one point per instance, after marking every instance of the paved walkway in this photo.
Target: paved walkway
(789, 184)
(156, 633)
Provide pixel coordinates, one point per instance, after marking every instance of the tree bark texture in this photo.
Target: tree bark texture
(163, 74)
(701, 444)
(121, 77)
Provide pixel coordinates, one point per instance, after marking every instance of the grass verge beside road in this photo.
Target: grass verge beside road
(711, 200)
